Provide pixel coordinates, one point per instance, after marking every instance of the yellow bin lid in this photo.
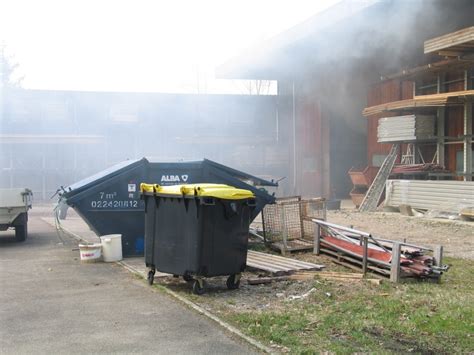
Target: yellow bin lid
(221, 191)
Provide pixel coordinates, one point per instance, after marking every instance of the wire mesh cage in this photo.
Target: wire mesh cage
(287, 223)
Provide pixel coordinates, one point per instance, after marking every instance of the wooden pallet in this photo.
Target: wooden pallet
(277, 264)
(292, 245)
(352, 263)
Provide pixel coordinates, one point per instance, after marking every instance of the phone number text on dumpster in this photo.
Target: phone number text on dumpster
(114, 204)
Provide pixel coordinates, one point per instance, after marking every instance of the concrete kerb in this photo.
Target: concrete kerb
(204, 312)
(182, 299)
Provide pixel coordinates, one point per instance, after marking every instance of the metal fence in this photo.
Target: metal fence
(289, 220)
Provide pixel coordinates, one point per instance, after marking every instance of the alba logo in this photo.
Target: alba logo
(174, 178)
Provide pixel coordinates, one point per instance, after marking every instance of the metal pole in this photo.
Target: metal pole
(365, 249)
(284, 230)
(294, 135)
(264, 229)
(467, 163)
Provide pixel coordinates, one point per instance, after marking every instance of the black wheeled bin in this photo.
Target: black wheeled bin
(197, 231)
(109, 202)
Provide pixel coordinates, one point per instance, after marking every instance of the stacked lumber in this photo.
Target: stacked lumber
(407, 128)
(418, 168)
(450, 64)
(436, 100)
(452, 44)
(449, 95)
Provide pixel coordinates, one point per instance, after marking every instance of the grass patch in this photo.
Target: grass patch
(419, 317)
(258, 247)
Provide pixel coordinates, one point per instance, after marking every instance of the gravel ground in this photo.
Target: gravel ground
(457, 237)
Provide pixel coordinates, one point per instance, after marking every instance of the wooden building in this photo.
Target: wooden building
(335, 64)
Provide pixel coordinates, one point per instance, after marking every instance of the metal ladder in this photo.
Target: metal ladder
(372, 197)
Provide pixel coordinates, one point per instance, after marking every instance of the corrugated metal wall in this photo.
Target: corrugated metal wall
(430, 194)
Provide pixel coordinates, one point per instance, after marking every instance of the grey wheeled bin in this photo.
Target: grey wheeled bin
(197, 231)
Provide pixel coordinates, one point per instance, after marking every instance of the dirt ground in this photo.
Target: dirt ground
(457, 237)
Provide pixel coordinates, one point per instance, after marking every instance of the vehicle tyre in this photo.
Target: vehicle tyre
(198, 289)
(232, 284)
(21, 233)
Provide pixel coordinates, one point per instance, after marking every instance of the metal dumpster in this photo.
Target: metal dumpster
(197, 231)
(109, 202)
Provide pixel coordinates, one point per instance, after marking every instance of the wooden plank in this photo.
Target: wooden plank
(290, 247)
(282, 265)
(435, 100)
(433, 68)
(304, 276)
(267, 280)
(438, 255)
(341, 275)
(265, 266)
(277, 264)
(281, 259)
(317, 239)
(289, 262)
(450, 40)
(395, 267)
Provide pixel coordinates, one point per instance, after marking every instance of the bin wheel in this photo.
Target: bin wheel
(151, 277)
(198, 287)
(233, 282)
(187, 278)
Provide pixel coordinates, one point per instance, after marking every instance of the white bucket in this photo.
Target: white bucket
(111, 247)
(90, 253)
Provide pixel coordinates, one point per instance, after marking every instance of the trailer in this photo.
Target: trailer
(14, 206)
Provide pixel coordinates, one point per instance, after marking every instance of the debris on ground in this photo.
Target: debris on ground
(301, 297)
(361, 250)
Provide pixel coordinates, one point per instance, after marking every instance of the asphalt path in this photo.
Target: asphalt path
(51, 303)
